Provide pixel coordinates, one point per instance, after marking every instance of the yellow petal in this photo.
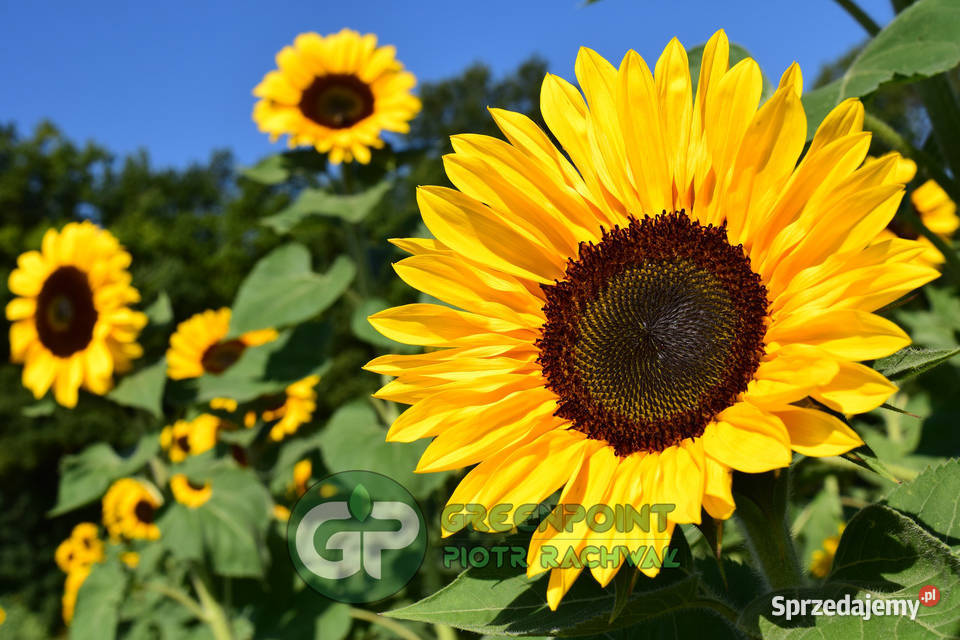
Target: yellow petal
(847, 334)
(439, 326)
(747, 439)
(470, 228)
(718, 490)
(855, 389)
(816, 433)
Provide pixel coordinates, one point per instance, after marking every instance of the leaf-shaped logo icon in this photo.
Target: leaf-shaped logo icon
(359, 503)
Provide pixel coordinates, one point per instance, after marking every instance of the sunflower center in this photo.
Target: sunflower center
(337, 101)
(195, 486)
(144, 511)
(183, 443)
(65, 312)
(221, 356)
(652, 332)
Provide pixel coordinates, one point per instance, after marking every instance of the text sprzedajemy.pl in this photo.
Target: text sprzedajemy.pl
(865, 608)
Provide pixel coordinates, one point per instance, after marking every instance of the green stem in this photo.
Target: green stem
(762, 513)
(213, 612)
(386, 623)
(355, 243)
(860, 16)
(895, 141)
(178, 596)
(445, 632)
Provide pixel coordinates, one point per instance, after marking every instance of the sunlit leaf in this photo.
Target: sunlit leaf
(317, 202)
(282, 289)
(85, 476)
(143, 389)
(910, 362)
(923, 40)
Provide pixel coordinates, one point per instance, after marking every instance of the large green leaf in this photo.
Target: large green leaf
(98, 603)
(317, 202)
(497, 602)
(933, 499)
(282, 290)
(294, 355)
(143, 389)
(922, 41)
(358, 423)
(910, 362)
(85, 476)
(885, 554)
(231, 526)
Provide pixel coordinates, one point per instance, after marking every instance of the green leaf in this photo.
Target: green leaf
(269, 368)
(910, 362)
(491, 601)
(933, 500)
(85, 476)
(737, 53)
(922, 41)
(143, 389)
(357, 422)
(230, 528)
(885, 554)
(270, 170)
(160, 312)
(98, 603)
(317, 202)
(39, 409)
(282, 290)
(359, 503)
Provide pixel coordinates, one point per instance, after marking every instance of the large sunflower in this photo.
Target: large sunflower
(336, 93)
(678, 299)
(72, 326)
(198, 345)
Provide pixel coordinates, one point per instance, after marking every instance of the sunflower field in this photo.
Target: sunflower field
(632, 349)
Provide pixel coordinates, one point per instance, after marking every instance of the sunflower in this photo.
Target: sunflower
(935, 208)
(821, 561)
(71, 323)
(71, 587)
(190, 437)
(198, 345)
(82, 548)
(653, 307)
(188, 493)
(129, 509)
(294, 408)
(336, 93)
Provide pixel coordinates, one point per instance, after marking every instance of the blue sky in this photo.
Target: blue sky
(175, 77)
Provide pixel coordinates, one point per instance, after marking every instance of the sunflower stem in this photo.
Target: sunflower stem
(762, 513)
(354, 242)
(861, 16)
(215, 616)
(895, 141)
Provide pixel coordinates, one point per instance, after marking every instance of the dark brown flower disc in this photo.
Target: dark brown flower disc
(66, 314)
(652, 332)
(337, 101)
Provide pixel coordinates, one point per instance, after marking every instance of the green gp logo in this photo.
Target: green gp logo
(357, 536)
